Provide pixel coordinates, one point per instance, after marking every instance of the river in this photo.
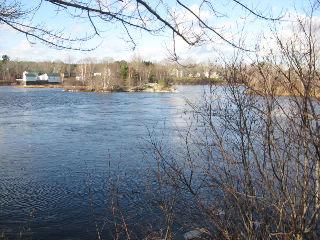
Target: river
(55, 145)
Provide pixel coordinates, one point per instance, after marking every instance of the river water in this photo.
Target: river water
(54, 144)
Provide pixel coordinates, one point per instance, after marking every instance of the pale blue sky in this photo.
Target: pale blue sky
(112, 42)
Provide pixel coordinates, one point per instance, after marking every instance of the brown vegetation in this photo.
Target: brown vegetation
(247, 166)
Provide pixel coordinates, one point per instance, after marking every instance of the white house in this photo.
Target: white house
(28, 78)
(43, 77)
(97, 74)
(214, 75)
(54, 78)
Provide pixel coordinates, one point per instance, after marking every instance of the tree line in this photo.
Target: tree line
(91, 72)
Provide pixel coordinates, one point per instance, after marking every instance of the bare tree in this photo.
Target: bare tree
(250, 161)
(131, 15)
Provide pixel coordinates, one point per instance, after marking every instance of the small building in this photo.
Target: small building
(214, 75)
(97, 74)
(54, 78)
(29, 78)
(43, 77)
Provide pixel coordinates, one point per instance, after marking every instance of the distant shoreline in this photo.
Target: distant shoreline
(155, 88)
(151, 88)
(167, 89)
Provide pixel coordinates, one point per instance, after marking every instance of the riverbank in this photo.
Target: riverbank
(151, 87)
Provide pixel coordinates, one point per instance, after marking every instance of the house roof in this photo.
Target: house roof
(31, 75)
(54, 74)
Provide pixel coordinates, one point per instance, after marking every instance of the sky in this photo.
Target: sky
(231, 20)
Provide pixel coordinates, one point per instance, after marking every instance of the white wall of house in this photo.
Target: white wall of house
(24, 78)
(43, 77)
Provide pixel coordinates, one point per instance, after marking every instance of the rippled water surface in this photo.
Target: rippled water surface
(53, 144)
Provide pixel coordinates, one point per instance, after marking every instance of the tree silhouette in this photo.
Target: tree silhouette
(152, 17)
